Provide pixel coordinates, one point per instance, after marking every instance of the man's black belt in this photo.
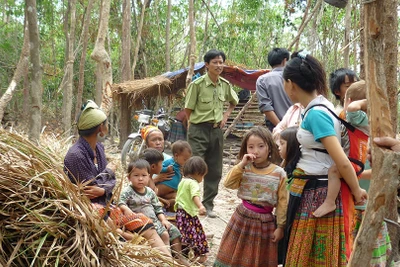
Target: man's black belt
(209, 124)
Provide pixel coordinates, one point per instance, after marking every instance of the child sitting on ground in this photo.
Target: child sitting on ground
(155, 158)
(355, 107)
(188, 205)
(181, 152)
(137, 197)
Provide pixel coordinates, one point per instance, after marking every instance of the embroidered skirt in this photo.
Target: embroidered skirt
(193, 236)
(312, 241)
(247, 240)
(382, 246)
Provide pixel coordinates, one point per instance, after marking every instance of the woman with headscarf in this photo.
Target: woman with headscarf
(85, 163)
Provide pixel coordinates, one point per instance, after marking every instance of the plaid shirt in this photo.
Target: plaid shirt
(79, 166)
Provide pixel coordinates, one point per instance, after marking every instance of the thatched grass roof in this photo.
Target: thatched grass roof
(162, 85)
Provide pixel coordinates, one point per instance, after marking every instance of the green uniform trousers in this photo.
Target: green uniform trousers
(207, 142)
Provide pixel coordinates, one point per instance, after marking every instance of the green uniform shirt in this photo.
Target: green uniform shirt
(207, 100)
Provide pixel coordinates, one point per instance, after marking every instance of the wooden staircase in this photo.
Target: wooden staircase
(245, 116)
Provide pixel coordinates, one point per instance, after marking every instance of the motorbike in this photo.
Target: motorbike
(135, 143)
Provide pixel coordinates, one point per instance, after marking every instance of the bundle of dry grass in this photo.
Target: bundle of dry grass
(44, 221)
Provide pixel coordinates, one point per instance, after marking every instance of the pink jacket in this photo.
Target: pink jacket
(291, 118)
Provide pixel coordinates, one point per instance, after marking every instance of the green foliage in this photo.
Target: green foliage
(246, 30)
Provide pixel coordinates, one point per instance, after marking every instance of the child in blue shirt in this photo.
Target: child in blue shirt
(181, 152)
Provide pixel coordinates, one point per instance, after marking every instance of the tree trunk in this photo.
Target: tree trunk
(385, 168)
(26, 93)
(138, 38)
(362, 42)
(304, 24)
(303, 20)
(391, 52)
(125, 109)
(98, 93)
(69, 71)
(85, 39)
(167, 38)
(102, 58)
(203, 46)
(35, 122)
(390, 69)
(22, 66)
(347, 28)
(192, 56)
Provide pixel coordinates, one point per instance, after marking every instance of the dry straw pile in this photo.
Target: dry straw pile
(44, 221)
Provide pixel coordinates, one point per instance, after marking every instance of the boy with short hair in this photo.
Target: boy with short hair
(155, 158)
(138, 197)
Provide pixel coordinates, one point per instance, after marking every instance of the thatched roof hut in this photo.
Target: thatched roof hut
(167, 84)
(171, 83)
(132, 93)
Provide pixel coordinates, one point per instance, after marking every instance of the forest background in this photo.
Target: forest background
(159, 39)
(56, 54)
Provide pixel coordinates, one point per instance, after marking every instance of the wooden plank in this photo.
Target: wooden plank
(229, 129)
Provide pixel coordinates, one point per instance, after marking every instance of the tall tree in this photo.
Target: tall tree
(19, 72)
(84, 39)
(125, 108)
(35, 122)
(347, 29)
(390, 29)
(385, 169)
(304, 23)
(192, 56)
(203, 45)
(102, 58)
(69, 69)
(167, 38)
(139, 36)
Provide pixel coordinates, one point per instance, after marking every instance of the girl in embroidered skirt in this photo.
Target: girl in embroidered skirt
(252, 234)
(324, 241)
(188, 206)
(289, 150)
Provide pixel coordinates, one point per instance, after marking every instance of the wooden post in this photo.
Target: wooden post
(386, 163)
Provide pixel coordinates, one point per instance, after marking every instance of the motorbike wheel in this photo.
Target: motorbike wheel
(131, 150)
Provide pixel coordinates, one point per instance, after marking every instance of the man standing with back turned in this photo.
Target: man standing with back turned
(273, 101)
(204, 104)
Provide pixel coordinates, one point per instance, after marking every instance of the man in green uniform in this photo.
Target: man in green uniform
(204, 105)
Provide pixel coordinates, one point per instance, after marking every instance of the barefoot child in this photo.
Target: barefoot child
(181, 152)
(137, 197)
(252, 234)
(188, 205)
(355, 107)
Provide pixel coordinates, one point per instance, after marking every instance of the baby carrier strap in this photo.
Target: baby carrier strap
(345, 123)
(350, 128)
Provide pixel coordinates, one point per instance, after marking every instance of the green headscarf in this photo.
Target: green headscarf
(91, 116)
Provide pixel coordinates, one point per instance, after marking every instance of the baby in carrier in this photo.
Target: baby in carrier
(356, 137)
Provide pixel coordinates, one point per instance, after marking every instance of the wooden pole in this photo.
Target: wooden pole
(386, 163)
